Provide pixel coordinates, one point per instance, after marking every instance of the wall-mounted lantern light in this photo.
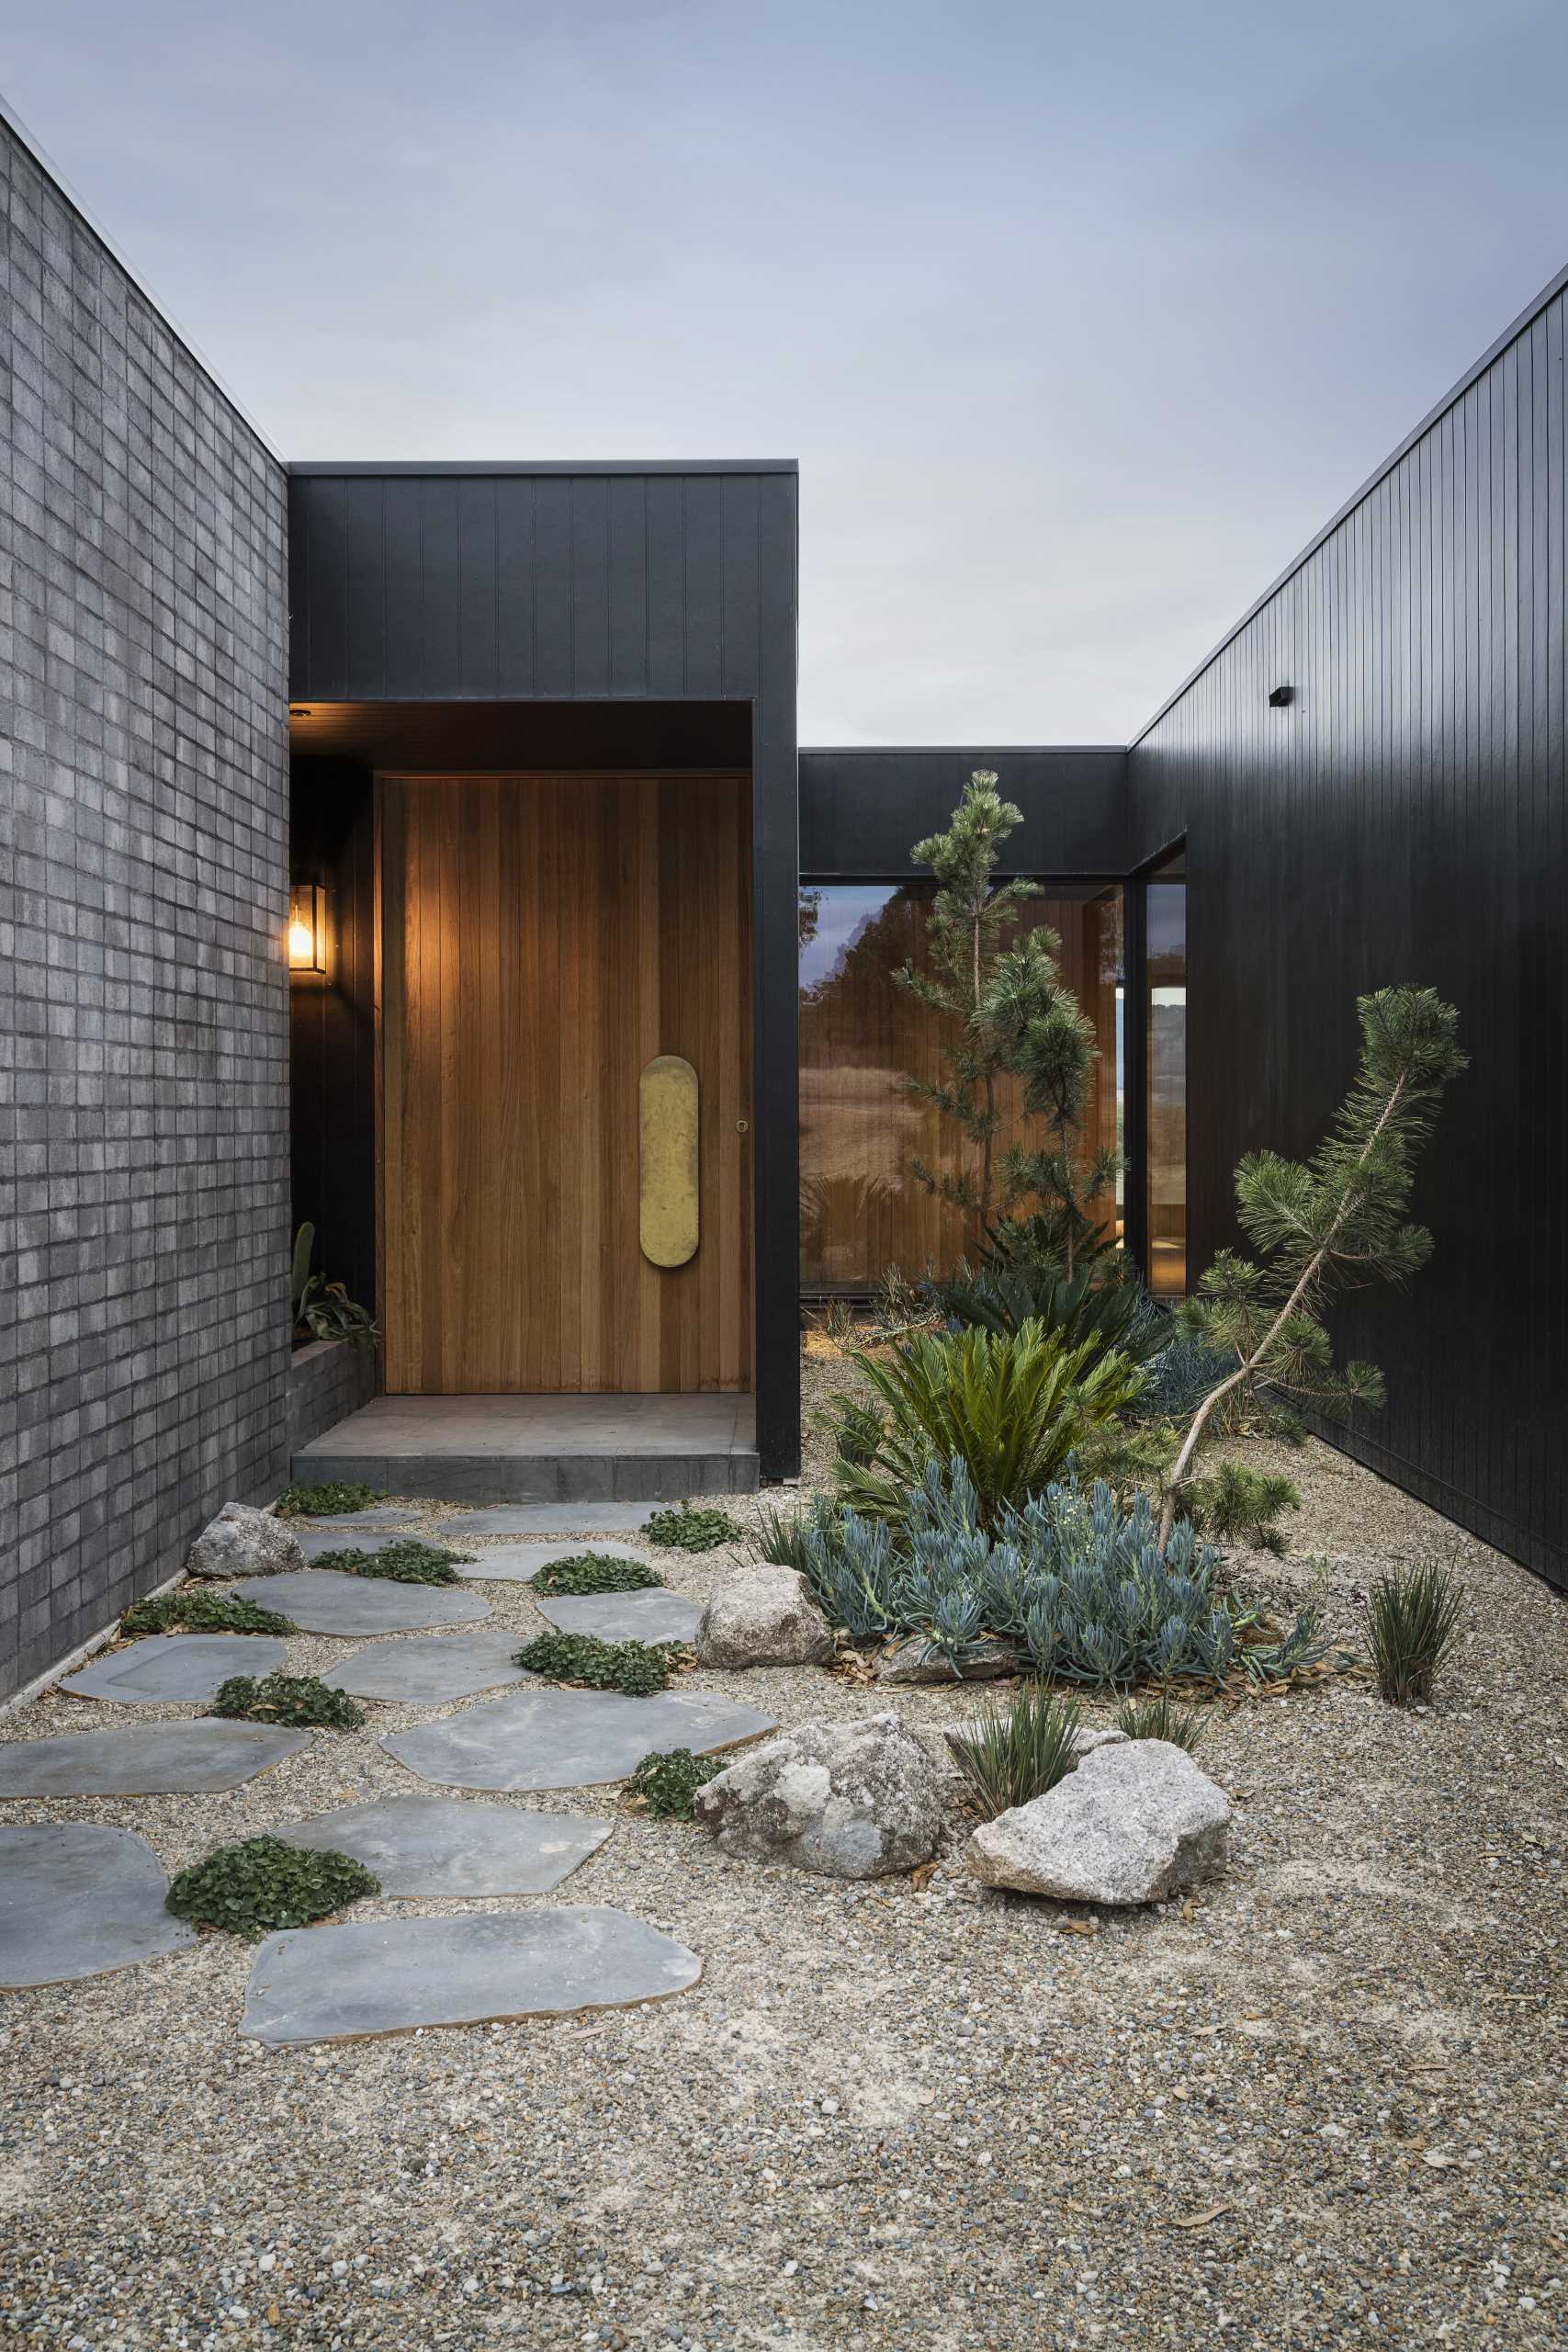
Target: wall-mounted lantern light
(308, 928)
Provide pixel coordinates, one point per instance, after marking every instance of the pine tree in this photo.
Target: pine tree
(1334, 1222)
(1043, 1037)
(964, 936)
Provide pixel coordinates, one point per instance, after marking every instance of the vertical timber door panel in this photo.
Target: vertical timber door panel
(543, 938)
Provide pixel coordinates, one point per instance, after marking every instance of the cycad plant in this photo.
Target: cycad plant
(1334, 1222)
(1111, 1314)
(1010, 1406)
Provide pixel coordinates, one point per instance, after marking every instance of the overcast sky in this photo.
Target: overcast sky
(1080, 318)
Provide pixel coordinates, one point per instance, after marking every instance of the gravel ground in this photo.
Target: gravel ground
(1323, 2105)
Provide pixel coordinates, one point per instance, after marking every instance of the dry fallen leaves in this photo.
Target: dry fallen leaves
(1202, 2220)
(850, 1666)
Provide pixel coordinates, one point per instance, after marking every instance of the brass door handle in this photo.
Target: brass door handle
(667, 1195)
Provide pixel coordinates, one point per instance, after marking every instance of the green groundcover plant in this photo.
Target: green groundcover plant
(302, 1701)
(687, 1529)
(595, 1572)
(666, 1784)
(406, 1562)
(196, 1611)
(638, 1669)
(260, 1884)
(328, 1500)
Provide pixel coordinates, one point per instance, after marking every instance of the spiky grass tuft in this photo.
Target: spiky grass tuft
(1413, 1620)
(1161, 1718)
(1011, 1754)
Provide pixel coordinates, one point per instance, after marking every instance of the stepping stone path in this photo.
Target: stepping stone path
(521, 1563)
(647, 1616)
(424, 1673)
(325, 1600)
(78, 1901)
(567, 1739)
(391, 1515)
(342, 1537)
(378, 1976)
(175, 1666)
(147, 1759)
(439, 1846)
(548, 1519)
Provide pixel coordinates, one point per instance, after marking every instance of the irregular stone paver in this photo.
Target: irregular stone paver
(648, 1616)
(146, 1759)
(378, 1976)
(439, 1846)
(520, 1563)
(423, 1673)
(325, 1600)
(76, 1900)
(339, 1536)
(567, 1739)
(376, 1515)
(174, 1667)
(548, 1519)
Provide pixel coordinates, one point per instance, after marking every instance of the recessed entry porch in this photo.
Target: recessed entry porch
(529, 911)
(543, 1448)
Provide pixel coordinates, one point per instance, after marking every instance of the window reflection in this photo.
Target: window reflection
(1166, 1016)
(859, 1033)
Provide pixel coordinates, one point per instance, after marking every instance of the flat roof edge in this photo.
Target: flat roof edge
(1450, 398)
(940, 750)
(480, 467)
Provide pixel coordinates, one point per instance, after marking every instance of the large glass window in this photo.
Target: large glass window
(1166, 1030)
(861, 1210)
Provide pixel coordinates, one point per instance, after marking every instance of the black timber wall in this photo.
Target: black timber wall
(594, 585)
(861, 809)
(1403, 819)
(143, 999)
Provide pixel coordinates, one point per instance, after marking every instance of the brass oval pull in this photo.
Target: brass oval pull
(667, 1172)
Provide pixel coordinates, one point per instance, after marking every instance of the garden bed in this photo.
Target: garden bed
(896, 2114)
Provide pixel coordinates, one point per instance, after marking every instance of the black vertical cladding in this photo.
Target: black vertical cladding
(593, 584)
(1402, 818)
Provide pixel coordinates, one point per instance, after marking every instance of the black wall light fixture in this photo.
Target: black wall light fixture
(1281, 696)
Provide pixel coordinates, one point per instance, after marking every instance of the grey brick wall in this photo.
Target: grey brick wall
(327, 1381)
(143, 999)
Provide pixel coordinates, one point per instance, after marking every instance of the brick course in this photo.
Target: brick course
(143, 891)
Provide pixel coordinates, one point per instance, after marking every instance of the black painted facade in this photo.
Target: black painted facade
(1404, 817)
(559, 604)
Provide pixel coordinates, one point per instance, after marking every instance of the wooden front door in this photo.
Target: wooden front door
(543, 938)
